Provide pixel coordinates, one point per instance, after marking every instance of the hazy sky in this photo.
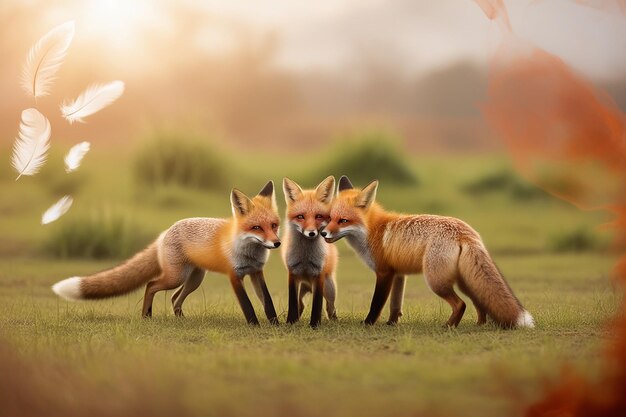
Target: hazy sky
(416, 35)
(422, 34)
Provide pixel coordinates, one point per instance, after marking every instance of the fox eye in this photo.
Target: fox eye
(342, 221)
(274, 225)
(300, 217)
(319, 216)
(256, 228)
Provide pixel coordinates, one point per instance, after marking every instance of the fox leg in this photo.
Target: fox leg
(330, 292)
(397, 298)
(191, 284)
(292, 312)
(440, 272)
(381, 294)
(260, 287)
(165, 281)
(236, 282)
(480, 311)
(303, 289)
(256, 284)
(318, 298)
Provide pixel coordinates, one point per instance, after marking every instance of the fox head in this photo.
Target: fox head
(349, 210)
(308, 211)
(257, 218)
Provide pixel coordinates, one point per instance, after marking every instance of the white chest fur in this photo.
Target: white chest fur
(248, 256)
(305, 257)
(358, 240)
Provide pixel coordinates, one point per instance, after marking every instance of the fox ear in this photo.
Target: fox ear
(291, 189)
(268, 192)
(367, 196)
(344, 184)
(240, 203)
(324, 191)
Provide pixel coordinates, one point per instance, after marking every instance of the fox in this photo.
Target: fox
(180, 256)
(310, 261)
(447, 250)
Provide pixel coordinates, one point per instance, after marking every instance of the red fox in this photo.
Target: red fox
(179, 257)
(445, 249)
(310, 261)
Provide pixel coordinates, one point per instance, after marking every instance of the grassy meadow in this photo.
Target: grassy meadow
(102, 358)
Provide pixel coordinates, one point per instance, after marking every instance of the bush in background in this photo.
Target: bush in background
(504, 182)
(578, 240)
(364, 157)
(170, 158)
(98, 236)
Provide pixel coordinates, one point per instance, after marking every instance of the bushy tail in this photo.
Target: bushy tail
(487, 288)
(119, 280)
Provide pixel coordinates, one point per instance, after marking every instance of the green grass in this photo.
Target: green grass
(212, 363)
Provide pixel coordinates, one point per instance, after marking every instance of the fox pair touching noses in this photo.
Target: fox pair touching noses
(447, 250)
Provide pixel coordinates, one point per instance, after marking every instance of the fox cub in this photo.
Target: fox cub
(447, 250)
(237, 247)
(311, 262)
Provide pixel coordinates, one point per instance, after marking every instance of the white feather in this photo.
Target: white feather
(57, 210)
(93, 99)
(75, 156)
(32, 144)
(45, 58)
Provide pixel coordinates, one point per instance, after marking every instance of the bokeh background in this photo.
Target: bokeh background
(233, 93)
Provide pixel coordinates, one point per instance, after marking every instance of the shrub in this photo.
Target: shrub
(98, 236)
(577, 240)
(169, 158)
(505, 182)
(367, 156)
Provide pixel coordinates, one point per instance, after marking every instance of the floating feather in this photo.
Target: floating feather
(92, 100)
(32, 144)
(45, 58)
(75, 156)
(57, 210)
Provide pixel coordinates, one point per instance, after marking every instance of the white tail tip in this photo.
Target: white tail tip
(68, 288)
(525, 320)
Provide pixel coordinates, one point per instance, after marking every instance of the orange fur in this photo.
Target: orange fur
(181, 255)
(447, 250)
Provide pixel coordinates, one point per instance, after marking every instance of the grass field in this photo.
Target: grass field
(102, 354)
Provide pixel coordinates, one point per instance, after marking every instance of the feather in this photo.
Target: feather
(32, 144)
(45, 58)
(57, 210)
(93, 99)
(75, 156)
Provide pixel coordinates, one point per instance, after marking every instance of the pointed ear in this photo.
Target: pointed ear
(291, 189)
(268, 192)
(240, 203)
(344, 184)
(367, 196)
(324, 191)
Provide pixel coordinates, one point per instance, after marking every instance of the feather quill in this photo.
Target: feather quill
(75, 156)
(31, 146)
(45, 58)
(57, 210)
(93, 99)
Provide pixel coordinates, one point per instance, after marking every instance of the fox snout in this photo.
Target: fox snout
(312, 233)
(271, 244)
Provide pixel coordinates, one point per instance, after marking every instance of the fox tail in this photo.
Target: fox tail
(119, 280)
(487, 288)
